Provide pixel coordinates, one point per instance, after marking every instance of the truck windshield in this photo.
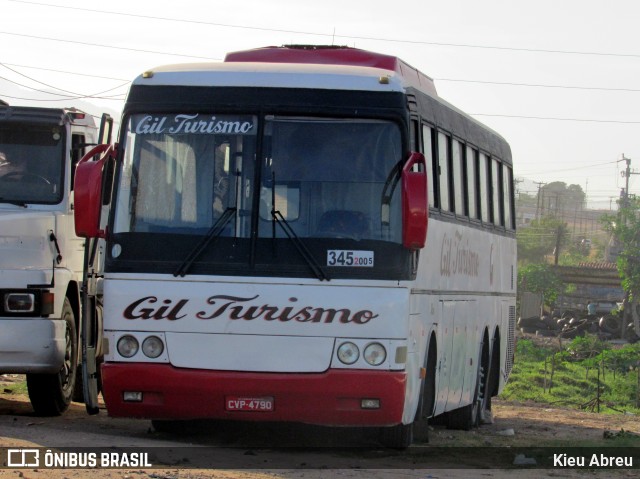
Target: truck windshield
(31, 163)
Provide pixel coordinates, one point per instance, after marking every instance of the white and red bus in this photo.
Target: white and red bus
(267, 250)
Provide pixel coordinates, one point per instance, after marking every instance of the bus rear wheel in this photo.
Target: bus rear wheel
(51, 394)
(471, 415)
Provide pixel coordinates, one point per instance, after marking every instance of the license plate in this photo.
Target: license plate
(248, 404)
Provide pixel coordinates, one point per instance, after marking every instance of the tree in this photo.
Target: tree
(525, 199)
(557, 197)
(540, 278)
(541, 238)
(625, 229)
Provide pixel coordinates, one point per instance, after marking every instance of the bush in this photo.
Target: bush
(587, 373)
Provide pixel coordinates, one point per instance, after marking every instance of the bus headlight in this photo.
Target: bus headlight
(348, 353)
(375, 354)
(128, 346)
(152, 347)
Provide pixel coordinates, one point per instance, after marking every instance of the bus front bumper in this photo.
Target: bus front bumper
(333, 398)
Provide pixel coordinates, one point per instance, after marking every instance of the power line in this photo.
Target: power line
(582, 120)
(65, 72)
(60, 99)
(481, 82)
(530, 117)
(537, 85)
(75, 94)
(334, 35)
(106, 46)
(582, 167)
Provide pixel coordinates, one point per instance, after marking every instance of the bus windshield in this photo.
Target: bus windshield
(324, 176)
(31, 163)
(270, 196)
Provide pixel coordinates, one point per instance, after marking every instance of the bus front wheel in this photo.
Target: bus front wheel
(396, 437)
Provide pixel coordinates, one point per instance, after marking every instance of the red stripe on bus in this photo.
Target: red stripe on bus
(332, 398)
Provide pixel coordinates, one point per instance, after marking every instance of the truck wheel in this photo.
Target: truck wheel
(51, 394)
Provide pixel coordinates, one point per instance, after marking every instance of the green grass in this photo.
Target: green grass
(572, 375)
(15, 388)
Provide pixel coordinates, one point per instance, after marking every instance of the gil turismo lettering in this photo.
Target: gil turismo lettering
(194, 124)
(458, 257)
(241, 308)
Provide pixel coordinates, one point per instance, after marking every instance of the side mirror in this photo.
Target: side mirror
(415, 209)
(88, 191)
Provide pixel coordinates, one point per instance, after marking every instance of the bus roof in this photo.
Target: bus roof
(336, 55)
(274, 75)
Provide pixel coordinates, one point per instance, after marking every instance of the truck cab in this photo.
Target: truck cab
(41, 258)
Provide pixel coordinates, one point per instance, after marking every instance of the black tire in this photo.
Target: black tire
(51, 394)
(396, 437)
(462, 418)
(427, 396)
(610, 324)
(470, 416)
(171, 426)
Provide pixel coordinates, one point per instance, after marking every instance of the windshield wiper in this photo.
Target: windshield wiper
(300, 246)
(212, 234)
(277, 217)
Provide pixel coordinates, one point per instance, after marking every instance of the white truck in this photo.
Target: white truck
(41, 258)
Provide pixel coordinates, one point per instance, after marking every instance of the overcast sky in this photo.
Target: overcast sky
(557, 78)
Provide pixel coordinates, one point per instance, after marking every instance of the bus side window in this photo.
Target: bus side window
(507, 182)
(483, 170)
(496, 189)
(472, 197)
(457, 173)
(432, 164)
(443, 162)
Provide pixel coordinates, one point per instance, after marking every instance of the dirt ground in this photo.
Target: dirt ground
(514, 425)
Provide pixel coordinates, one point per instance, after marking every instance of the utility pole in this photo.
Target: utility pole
(517, 182)
(556, 252)
(540, 185)
(627, 174)
(625, 204)
(586, 194)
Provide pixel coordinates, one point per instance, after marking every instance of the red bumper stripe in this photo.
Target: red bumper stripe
(331, 399)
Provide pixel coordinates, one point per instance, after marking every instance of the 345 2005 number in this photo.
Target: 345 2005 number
(350, 258)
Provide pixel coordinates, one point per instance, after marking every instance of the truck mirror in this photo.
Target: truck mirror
(88, 191)
(414, 202)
